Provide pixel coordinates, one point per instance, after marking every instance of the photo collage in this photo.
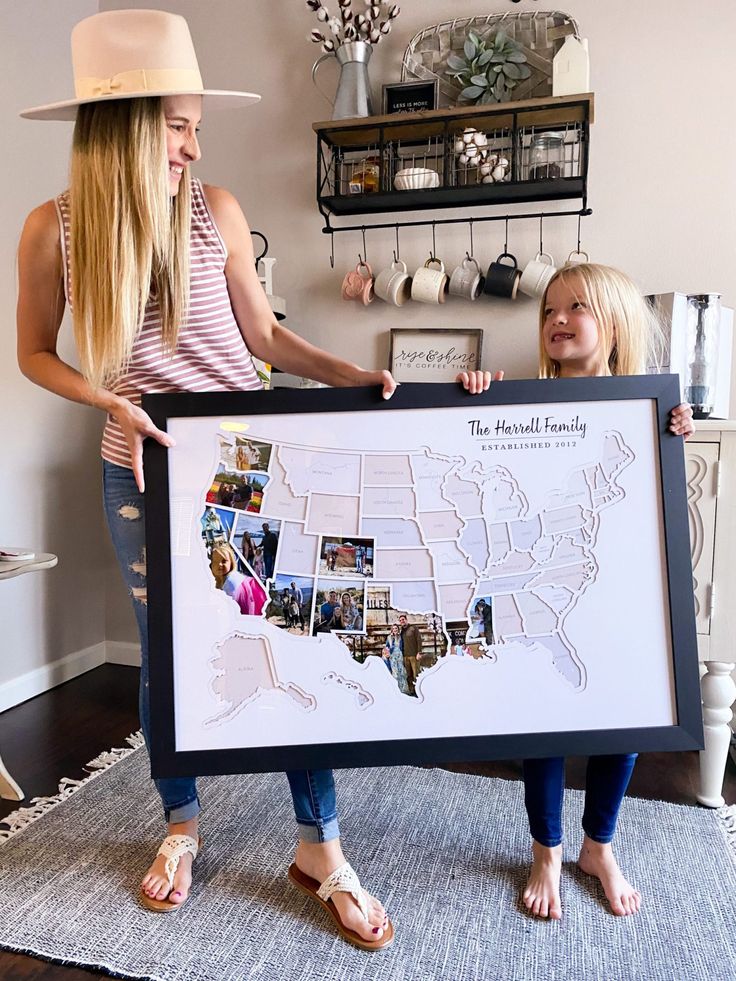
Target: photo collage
(311, 584)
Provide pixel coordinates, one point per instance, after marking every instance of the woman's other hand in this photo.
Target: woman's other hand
(476, 382)
(136, 426)
(681, 420)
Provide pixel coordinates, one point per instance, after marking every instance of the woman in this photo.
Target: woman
(143, 254)
(394, 653)
(352, 618)
(248, 549)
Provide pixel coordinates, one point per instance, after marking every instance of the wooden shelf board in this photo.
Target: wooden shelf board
(421, 125)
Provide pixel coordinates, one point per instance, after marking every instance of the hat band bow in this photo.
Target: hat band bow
(140, 81)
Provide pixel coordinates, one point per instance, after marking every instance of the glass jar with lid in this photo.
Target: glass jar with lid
(546, 156)
(365, 179)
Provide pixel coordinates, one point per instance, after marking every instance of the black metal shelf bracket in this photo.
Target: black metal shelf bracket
(580, 213)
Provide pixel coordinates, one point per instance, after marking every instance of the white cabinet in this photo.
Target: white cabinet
(710, 457)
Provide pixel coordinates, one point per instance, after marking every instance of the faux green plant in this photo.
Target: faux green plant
(490, 68)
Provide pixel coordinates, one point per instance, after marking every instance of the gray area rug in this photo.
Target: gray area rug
(446, 852)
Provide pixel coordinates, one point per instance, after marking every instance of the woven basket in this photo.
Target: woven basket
(539, 33)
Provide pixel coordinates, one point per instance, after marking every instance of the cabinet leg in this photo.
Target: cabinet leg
(718, 691)
(9, 789)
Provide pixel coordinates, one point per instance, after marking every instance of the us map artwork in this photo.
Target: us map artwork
(416, 560)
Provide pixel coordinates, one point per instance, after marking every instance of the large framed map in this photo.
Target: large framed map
(338, 580)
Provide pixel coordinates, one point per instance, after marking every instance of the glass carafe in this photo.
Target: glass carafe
(703, 329)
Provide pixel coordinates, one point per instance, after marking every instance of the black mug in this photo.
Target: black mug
(503, 279)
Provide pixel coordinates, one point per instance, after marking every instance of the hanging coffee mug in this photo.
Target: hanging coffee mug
(537, 274)
(576, 258)
(466, 280)
(393, 284)
(358, 284)
(502, 279)
(430, 285)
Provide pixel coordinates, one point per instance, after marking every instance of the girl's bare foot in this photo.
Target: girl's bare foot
(597, 859)
(318, 861)
(155, 882)
(542, 893)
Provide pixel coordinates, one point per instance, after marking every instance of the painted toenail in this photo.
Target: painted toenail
(376, 929)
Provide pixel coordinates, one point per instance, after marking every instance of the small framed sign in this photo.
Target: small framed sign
(409, 96)
(433, 355)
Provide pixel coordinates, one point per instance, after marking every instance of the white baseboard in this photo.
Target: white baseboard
(121, 652)
(48, 676)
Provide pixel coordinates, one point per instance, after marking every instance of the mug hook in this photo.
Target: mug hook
(332, 250)
(580, 218)
(506, 235)
(541, 240)
(397, 253)
(472, 250)
(363, 261)
(265, 245)
(432, 254)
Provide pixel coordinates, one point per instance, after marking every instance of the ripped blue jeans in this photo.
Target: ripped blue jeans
(313, 791)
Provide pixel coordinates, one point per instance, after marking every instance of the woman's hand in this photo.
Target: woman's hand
(136, 426)
(681, 420)
(383, 378)
(476, 382)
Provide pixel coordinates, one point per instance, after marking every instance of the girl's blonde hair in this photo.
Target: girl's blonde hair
(227, 550)
(629, 331)
(129, 240)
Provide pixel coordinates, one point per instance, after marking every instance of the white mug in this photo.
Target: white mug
(466, 279)
(430, 285)
(393, 284)
(537, 274)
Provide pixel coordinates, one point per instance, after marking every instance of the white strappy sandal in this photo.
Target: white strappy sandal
(343, 879)
(172, 848)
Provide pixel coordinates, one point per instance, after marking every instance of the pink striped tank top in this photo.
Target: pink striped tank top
(211, 354)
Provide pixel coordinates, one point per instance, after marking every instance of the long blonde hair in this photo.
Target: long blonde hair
(222, 550)
(129, 240)
(629, 331)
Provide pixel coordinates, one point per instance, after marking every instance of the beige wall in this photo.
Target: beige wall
(49, 477)
(662, 187)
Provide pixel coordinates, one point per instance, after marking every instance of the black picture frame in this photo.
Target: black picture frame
(410, 96)
(662, 391)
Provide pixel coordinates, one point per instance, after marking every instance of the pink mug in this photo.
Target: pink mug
(358, 284)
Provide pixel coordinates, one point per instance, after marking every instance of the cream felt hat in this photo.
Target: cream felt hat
(129, 54)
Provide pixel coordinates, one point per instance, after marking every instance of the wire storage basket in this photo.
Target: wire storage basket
(548, 153)
(540, 34)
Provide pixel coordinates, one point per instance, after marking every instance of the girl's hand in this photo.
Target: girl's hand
(681, 420)
(476, 382)
(136, 426)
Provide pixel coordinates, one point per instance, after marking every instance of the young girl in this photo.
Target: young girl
(258, 564)
(245, 590)
(592, 321)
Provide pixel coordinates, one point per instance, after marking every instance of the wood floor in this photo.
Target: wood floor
(54, 735)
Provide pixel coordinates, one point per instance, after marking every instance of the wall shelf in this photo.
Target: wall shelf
(349, 149)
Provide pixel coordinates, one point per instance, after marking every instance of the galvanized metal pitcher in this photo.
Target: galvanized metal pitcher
(353, 96)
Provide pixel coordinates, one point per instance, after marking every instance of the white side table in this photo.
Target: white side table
(9, 789)
(710, 457)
